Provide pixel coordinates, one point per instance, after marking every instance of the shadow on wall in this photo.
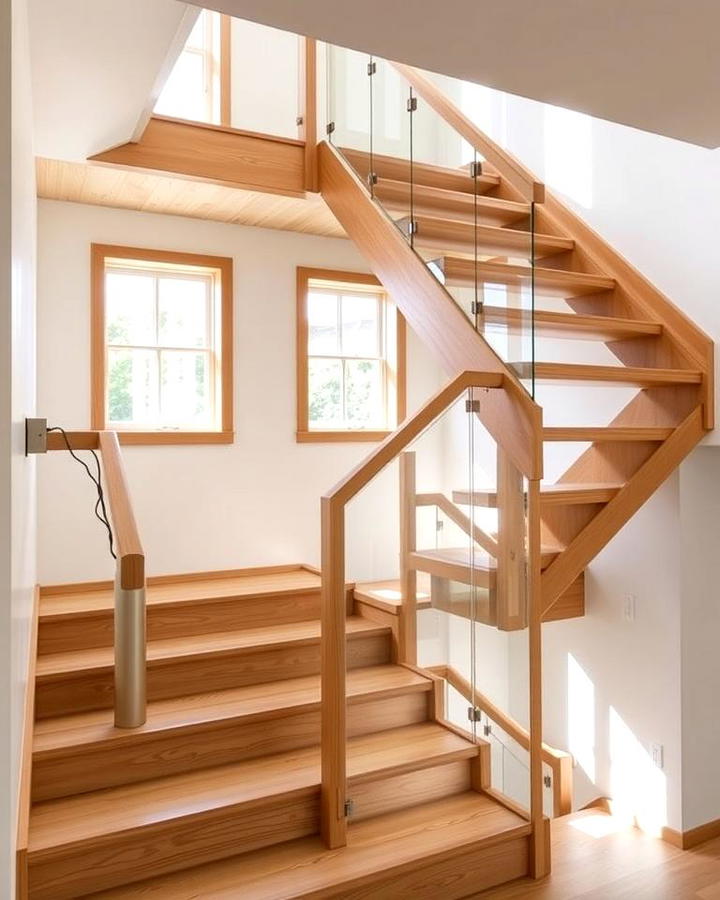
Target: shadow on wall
(638, 787)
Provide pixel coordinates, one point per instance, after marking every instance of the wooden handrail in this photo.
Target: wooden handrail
(130, 629)
(128, 547)
(333, 713)
(510, 415)
(558, 760)
(506, 164)
(481, 537)
(394, 443)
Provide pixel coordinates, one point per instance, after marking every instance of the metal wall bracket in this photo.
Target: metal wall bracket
(477, 307)
(372, 68)
(439, 525)
(349, 808)
(35, 436)
(487, 729)
(412, 104)
(372, 179)
(475, 169)
(547, 781)
(474, 714)
(412, 226)
(330, 127)
(472, 406)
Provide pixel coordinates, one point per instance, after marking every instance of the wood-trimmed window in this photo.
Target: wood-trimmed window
(162, 345)
(198, 87)
(350, 358)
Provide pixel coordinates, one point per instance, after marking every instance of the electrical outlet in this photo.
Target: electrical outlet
(629, 607)
(656, 751)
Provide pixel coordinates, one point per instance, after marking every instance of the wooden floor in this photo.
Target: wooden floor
(594, 858)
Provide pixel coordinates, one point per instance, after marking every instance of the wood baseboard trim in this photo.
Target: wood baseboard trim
(693, 837)
(683, 840)
(24, 792)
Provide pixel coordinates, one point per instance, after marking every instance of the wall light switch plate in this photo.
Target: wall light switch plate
(656, 751)
(629, 607)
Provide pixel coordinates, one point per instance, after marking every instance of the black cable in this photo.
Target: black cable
(100, 509)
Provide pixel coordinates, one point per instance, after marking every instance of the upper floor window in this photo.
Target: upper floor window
(162, 345)
(198, 86)
(351, 357)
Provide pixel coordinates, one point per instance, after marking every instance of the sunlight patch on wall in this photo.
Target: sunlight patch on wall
(569, 154)
(639, 788)
(581, 716)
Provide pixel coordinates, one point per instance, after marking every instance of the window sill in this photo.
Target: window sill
(329, 437)
(175, 437)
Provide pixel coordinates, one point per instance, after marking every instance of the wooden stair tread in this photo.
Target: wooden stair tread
(395, 195)
(609, 433)
(459, 271)
(460, 556)
(261, 701)
(62, 602)
(563, 493)
(620, 376)
(100, 814)
(387, 594)
(397, 169)
(402, 838)
(288, 634)
(569, 326)
(436, 231)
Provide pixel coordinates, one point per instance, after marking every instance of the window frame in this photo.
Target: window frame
(304, 434)
(99, 253)
(218, 111)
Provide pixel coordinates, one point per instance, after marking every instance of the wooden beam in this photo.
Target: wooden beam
(539, 842)
(507, 165)
(511, 580)
(307, 109)
(333, 729)
(79, 440)
(408, 575)
(215, 153)
(509, 415)
(226, 70)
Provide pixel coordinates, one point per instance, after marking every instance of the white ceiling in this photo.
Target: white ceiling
(653, 64)
(95, 66)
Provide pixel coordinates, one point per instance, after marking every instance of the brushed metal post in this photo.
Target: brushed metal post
(130, 657)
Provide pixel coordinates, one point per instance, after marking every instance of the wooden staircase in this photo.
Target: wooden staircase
(658, 350)
(224, 791)
(218, 793)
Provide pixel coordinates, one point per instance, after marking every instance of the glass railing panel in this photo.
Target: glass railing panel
(262, 72)
(445, 523)
(474, 230)
(349, 106)
(237, 74)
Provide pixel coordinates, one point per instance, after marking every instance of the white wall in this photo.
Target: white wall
(17, 399)
(657, 201)
(264, 79)
(255, 502)
(698, 546)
